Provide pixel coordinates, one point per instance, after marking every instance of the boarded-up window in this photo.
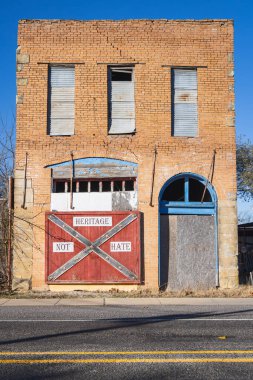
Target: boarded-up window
(121, 100)
(61, 107)
(184, 102)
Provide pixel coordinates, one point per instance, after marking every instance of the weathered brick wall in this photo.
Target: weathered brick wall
(153, 46)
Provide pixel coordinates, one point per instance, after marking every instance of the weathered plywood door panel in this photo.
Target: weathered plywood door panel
(187, 251)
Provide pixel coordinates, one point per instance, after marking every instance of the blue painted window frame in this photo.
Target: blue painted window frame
(187, 207)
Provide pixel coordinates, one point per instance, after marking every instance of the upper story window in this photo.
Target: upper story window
(61, 100)
(121, 105)
(184, 102)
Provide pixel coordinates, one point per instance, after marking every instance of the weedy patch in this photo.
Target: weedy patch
(242, 291)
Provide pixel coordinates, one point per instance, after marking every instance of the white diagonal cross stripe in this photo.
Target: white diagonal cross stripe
(92, 247)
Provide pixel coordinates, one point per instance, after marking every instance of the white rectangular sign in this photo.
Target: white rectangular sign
(92, 221)
(63, 247)
(121, 246)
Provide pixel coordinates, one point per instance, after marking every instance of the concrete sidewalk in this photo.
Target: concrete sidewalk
(109, 301)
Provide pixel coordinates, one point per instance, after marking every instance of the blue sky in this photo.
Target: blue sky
(239, 10)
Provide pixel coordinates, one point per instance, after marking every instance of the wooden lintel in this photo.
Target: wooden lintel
(184, 67)
(121, 63)
(61, 63)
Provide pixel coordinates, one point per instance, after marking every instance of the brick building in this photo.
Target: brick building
(117, 120)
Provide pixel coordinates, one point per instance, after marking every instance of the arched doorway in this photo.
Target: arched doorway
(188, 257)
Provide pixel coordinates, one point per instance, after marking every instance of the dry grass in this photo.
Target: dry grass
(242, 291)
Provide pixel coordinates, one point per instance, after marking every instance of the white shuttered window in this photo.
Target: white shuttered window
(121, 100)
(184, 102)
(61, 98)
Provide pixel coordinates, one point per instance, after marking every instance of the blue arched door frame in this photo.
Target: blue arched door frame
(190, 208)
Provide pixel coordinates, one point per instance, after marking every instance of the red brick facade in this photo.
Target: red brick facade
(153, 47)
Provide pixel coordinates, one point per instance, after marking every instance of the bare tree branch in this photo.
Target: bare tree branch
(7, 154)
(244, 156)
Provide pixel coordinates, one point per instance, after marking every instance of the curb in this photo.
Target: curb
(127, 302)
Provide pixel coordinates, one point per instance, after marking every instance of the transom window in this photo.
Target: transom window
(187, 189)
(187, 194)
(94, 186)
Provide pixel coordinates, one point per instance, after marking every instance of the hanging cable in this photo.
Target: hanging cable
(210, 175)
(71, 180)
(153, 179)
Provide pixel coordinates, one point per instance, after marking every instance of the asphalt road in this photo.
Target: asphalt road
(126, 342)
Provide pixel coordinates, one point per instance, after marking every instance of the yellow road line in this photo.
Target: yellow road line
(183, 352)
(137, 360)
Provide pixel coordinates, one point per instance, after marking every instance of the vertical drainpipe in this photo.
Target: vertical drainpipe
(159, 265)
(71, 181)
(217, 280)
(152, 205)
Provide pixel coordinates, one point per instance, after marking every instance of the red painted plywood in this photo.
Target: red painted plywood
(92, 268)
